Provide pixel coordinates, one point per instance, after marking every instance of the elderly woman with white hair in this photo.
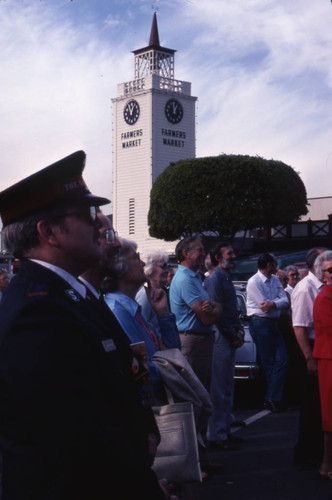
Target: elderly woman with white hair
(156, 271)
(293, 278)
(120, 291)
(322, 314)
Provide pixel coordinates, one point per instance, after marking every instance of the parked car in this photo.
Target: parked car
(247, 267)
(246, 365)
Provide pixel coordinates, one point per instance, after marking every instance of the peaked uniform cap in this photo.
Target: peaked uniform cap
(58, 184)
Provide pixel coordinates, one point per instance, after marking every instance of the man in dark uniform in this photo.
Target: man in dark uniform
(71, 422)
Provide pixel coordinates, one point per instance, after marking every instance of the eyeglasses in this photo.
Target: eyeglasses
(109, 235)
(163, 266)
(293, 274)
(88, 214)
(328, 270)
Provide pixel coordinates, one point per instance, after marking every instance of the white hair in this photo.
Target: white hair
(327, 255)
(152, 258)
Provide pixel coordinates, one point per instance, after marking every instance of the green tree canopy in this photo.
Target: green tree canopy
(224, 194)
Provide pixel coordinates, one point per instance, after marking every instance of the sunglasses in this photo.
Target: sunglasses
(109, 235)
(163, 266)
(328, 270)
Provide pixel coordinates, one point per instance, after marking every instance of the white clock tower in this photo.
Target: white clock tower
(153, 125)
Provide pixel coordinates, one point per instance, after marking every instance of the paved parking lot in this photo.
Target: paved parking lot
(263, 468)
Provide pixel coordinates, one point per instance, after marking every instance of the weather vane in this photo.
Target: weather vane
(155, 7)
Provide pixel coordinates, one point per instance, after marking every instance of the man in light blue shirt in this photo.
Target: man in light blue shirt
(265, 298)
(185, 291)
(195, 316)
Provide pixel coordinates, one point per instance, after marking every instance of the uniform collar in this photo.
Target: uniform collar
(69, 278)
(90, 287)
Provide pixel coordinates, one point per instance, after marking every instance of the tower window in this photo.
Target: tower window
(131, 215)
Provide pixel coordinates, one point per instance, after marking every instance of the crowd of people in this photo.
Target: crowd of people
(74, 422)
(291, 327)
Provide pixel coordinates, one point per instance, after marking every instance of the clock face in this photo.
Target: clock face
(173, 111)
(131, 112)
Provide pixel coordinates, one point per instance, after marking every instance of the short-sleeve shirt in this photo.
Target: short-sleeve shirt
(303, 299)
(186, 289)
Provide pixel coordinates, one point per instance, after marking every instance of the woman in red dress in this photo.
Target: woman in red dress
(323, 353)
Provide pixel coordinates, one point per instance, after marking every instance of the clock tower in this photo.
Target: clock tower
(153, 125)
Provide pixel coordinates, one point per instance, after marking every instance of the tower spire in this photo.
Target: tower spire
(154, 59)
(154, 35)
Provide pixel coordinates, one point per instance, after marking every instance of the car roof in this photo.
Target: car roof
(247, 266)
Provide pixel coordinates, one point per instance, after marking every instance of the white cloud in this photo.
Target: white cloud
(261, 70)
(57, 81)
(262, 73)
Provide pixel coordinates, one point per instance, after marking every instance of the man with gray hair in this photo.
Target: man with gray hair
(310, 439)
(72, 425)
(195, 316)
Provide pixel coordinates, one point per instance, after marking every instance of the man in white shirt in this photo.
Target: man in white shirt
(265, 298)
(309, 446)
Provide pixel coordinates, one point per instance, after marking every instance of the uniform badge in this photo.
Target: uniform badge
(109, 345)
(73, 295)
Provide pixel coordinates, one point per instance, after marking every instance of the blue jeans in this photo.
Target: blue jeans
(272, 353)
(222, 389)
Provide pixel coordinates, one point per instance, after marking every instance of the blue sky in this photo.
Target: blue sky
(261, 70)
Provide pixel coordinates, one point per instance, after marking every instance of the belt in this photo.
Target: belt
(197, 332)
(265, 317)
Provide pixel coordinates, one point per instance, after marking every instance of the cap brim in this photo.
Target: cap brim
(92, 200)
(87, 199)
